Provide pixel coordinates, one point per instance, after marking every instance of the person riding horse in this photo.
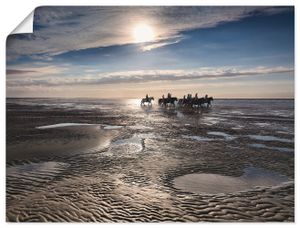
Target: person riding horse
(167, 101)
(147, 100)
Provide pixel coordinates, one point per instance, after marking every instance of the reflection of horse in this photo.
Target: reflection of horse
(147, 100)
(167, 101)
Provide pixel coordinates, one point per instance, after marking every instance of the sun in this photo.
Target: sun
(143, 33)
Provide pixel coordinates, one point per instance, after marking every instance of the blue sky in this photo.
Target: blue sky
(223, 51)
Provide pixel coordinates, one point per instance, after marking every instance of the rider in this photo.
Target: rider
(206, 96)
(169, 95)
(196, 95)
(163, 96)
(147, 97)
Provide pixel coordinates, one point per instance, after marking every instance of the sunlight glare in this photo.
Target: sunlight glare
(143, 33)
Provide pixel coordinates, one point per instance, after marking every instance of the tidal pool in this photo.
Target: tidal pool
(208, 183)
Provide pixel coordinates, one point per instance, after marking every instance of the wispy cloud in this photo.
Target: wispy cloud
(153, 45)
(36, 71)
(12, 71)
(62, 29)
(148, 76)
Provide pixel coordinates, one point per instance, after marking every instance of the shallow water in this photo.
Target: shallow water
(224, 135)
(263, 146)
(208, 183)
(198, 138)
(269, 138)
(62, 125)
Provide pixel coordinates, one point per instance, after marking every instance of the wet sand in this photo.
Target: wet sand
(127, 173)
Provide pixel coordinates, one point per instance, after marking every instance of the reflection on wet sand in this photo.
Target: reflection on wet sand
(115, 161)
(208, 183)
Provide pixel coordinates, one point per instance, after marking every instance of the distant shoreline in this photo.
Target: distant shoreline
(94, 98)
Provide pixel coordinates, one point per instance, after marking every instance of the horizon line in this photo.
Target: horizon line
(219, 98)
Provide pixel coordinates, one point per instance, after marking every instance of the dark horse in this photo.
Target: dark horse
(202, 101)
(147, 100)
(196, 102)
(167, 101)
(208, 100)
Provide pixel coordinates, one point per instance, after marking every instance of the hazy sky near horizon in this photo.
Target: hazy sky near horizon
(241, 52)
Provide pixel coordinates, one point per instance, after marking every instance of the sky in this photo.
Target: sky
(112, 52)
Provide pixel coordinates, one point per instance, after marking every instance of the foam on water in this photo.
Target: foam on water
(208, 183)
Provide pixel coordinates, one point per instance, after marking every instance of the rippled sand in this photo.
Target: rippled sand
(127, 171)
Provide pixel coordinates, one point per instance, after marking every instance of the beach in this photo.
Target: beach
(97, 160)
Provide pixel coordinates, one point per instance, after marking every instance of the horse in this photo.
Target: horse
(166, 101)
(208, 100)
(199, 102)
(184, 102)
(147, 100)
(181, 102)
(195, 102)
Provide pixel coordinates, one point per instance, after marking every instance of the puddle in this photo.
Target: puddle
(262, 124)
(198, 138)
(180, 114)
(207, 183)
(269, 138)
(263, 146)
(217, 133)
(237, 127)
(140, 127)
(130, 145)
(64, 125)
(111, 127)
(61, 125)
(211, 120)
(284, 132)
(146, 136)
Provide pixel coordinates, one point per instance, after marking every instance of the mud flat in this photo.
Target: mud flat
(131, 164)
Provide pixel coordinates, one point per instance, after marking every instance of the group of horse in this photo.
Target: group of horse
(187, 102)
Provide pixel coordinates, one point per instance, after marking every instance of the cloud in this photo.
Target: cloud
(63, 29)
(36, 71)
(154, 45)
(148, 76)
(12, 71)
